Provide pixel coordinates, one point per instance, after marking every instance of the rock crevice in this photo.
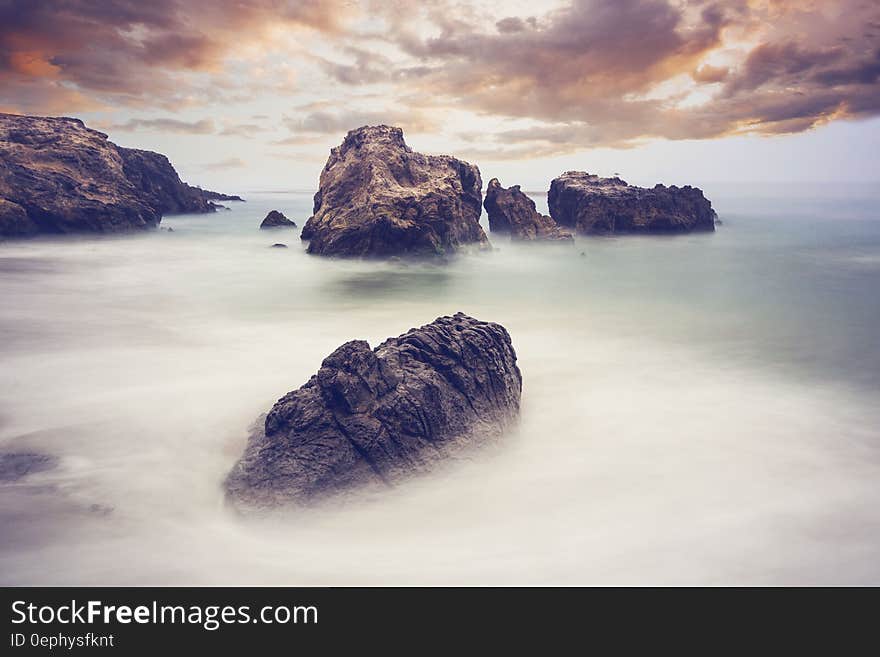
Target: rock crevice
(512, 211)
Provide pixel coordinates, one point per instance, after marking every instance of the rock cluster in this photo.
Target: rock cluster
(57, 176)
(276, 219)
(511, 211)
(594, 205)
(375, 416)
(379, 198)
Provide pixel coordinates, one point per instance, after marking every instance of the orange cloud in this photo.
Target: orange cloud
(135, 52)
(589, 73)
(32, 64)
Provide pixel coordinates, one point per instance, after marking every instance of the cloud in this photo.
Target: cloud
(512, 24)
(201, 127)
(246, 130)
(300, 140)
(584, 73)
(317, 121)
(709, 74)
(583, 51)
(223, 165)
(597, 72)
(137, 53)
(367, 67)
(177, 126)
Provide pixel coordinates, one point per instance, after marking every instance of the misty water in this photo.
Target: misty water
(698, 409)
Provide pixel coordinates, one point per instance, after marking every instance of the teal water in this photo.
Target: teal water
(696, 409)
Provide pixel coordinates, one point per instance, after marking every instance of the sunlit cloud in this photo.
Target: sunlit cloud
(550, 78)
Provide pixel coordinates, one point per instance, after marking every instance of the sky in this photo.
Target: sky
(251, 94)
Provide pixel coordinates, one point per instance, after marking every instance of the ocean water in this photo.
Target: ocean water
(699, 409)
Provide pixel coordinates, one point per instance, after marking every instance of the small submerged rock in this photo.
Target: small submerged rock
(276, 219)
(376, 416)
(17, 465)
(512, 211)
(594, 205)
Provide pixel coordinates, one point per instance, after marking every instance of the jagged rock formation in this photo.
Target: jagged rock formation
(594, 205)
(57, 176)
(276, 219)
(218, 196)
(375, 416)
(512, 211)
(161, 187)
(378, 198)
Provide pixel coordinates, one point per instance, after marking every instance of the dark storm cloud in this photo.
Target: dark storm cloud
(587, 71)
(778, 63)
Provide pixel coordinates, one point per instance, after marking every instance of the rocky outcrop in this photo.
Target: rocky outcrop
(378, 198)
(511, 211)
(218, 196)
(594, 205)
(14, 220)
(276, 219)
(57, 176)
(152, 174)
(376, 416)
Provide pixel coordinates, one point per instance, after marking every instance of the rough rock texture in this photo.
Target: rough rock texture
(377, 416)
(594, 205)
(161, 187)
(378, 198)
(14, 220)
(218, 196)
(277, 219)
(512, 211)
(57, 176)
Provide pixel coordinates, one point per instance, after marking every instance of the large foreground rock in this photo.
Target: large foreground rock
(511, 211)
(378, 198)
(375, 416)
(594, 205)
(57, 176)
